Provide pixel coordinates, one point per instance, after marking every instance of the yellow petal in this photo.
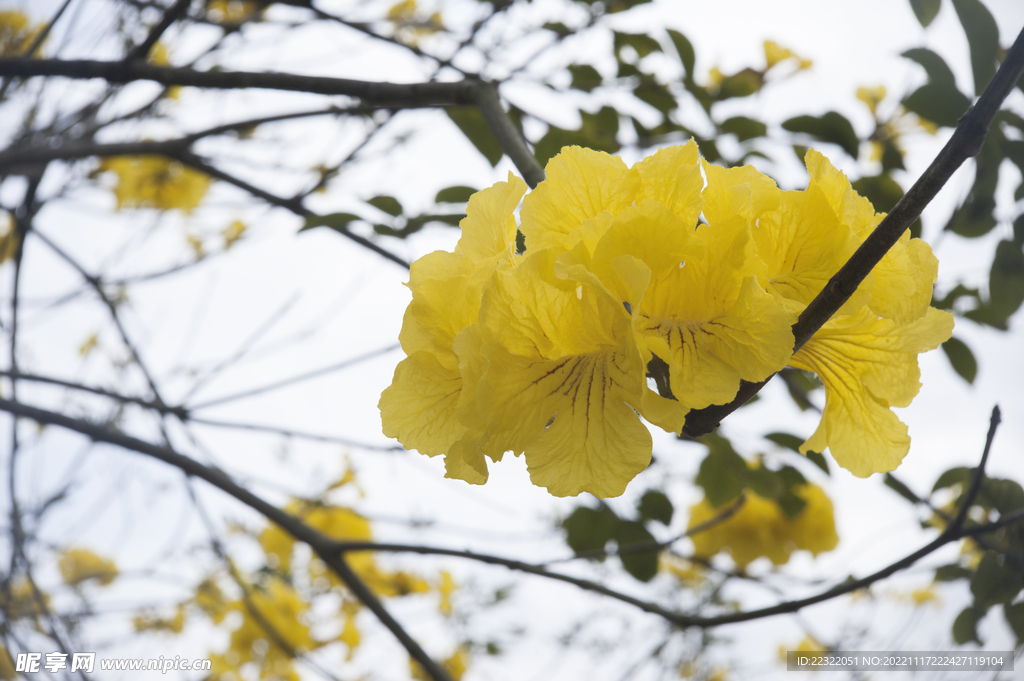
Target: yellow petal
(868, 364)
(672, 177)
(489, 228)
(580, 185)
(563, 374)
(419, 407)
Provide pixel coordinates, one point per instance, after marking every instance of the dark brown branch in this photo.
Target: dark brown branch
(381, 95)
(966, 142)
(332, 552)
(979, 476)
(323, 546)
(141, 51)
(376, 94)
(508, 136)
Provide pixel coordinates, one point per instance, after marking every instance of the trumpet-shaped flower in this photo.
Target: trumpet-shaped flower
(867, 355)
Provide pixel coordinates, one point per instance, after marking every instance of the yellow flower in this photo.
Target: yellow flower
(409, 28)
(761, 528)
(867, 354)
(775, 53)
(155, 182)
(350, 635)
(16, 34)
(807, 645)
(20, 600)
(150, 622)
(231, 11)
(81, 565)
(871, 96)
(446, 588)
(233, 233)
(7, 670)
(420, 408)
(9, 239)
(564, 371)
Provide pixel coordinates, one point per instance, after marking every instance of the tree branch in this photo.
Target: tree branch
(966, 142)
(141, 51)
(323, 546)
(375, 94)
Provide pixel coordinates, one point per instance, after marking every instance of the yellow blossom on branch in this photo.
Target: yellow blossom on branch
(155, 182)
(546, 353)
(80, 565)
(16, 34)
(760, 528)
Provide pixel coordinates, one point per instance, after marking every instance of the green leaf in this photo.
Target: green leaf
(1014, 615)
(881, 190)
(388, 204)
(722, 472)
(584, 77)
(627, 70)
(901, 489)
(961, 358)
(684, 49)
(938, 104)
(791, 477)
(819, 460)
(336, 221)
(925, 10)
(457, 194)
(472, 124)
(765, 482)
(654, 93)
(558, 28)
(589, 530)
(1006, 279)
(787, 440)
(742, 84)
(994, 582)
(892, 157)
(960, 475)
(976, 215)
(951, 573)
(655, 505)
(939, 100)
(613, 6)
(830, 127)
(950, 299)
(1018, 229)
(744, 128)
(791, 504)
(965, 626)
(643, 565)
(1006, 496)
(983, 39)
(936, 67)
(641, 42)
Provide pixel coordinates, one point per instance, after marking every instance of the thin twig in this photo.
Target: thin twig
(979, 476)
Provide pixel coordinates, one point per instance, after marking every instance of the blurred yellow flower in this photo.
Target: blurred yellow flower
(455, 665)
(761, 528)
(16, 33)
(155, 182)
(80, 565)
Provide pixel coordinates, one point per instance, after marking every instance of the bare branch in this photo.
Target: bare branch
(323, 546)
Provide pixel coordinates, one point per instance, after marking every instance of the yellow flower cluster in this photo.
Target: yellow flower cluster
(155, 182)
(80, 565)
(761, 528)
(546, 353)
